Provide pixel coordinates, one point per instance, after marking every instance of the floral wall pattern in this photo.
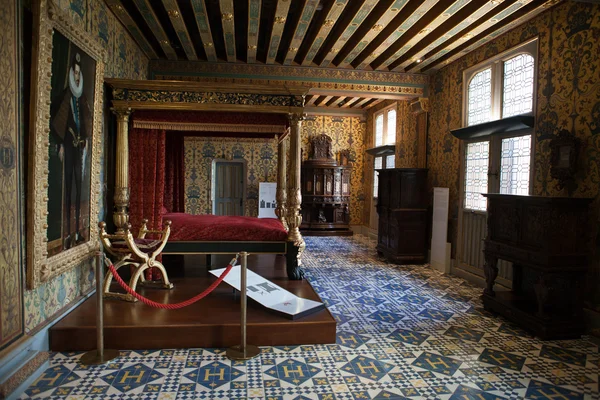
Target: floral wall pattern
(261, 166)
(568, 97)
(125, 60)
(345, 133)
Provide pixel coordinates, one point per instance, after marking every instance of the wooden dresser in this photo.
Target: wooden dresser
(402, 205)
(325, 192)
(547, 240)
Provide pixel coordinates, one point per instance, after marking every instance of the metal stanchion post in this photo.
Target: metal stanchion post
(243, 351)
(100, 355)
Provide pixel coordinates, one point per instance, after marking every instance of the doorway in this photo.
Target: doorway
(228, 187)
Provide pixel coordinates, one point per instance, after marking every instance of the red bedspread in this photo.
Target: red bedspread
(187, 227)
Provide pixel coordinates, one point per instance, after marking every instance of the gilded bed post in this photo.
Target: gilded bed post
(120, 215)
(294, 198)
(281, 197)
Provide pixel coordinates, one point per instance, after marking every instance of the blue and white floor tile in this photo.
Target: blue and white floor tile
(403, 332)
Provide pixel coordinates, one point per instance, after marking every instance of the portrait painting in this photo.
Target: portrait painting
(71, 123)
(64, 145)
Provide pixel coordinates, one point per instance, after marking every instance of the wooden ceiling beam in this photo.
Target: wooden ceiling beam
(368, 103)
(418, 28)
(227, 20)
(389, 34)
(461, 15)
(350, 102)
(123, 16)
(150, 17)
(324, 101)
(377, 19)
(361, 103)
(463, 34)
(332, 16)
(201, 16)
(306, 16)
(281, 13)
(335, 100)
(311, 100)
(254, 7)
(343, 30)
(516, 15)
(180, 29)
(372, 104)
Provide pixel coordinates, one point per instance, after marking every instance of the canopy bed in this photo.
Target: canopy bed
(175, 96)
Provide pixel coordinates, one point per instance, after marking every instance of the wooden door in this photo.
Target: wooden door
(228, 188)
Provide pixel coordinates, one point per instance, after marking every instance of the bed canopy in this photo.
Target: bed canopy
(130, 96)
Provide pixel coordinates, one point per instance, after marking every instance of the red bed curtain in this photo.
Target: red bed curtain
(174, 173)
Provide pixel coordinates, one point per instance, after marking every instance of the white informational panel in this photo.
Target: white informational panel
(266, 199)
(269, 294)
(439, 230)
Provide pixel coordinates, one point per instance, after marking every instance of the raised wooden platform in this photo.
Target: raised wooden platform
(212, 322)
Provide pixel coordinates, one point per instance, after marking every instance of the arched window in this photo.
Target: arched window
(517, 85)
(480, 97)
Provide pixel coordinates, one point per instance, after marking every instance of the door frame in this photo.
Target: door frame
(213, 181)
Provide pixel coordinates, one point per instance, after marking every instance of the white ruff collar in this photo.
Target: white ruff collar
(75, 89)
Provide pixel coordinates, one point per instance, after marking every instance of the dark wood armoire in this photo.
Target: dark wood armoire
(325, 192)
(402, 205)
(547, 240)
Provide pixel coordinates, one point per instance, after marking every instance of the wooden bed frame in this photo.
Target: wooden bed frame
(131, 95)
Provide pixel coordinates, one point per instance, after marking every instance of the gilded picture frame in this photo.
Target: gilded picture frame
(64, 145)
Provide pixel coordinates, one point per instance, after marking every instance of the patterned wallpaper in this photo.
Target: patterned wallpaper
(11, 286)
(345, 133)
(125, 60)
(568, 97)
(261, 164)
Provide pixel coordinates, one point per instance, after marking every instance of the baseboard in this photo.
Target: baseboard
(21, 366)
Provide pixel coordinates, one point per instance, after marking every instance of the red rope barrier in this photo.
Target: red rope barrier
(174, 306)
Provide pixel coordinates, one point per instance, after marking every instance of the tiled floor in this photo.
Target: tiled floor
(403, 332)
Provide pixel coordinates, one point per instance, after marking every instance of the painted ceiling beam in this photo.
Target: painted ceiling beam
(180, 29)
(480, 37)
(358, 19)
(378, 19)
(123, 16)
(451, 34)
(152, 21)
(281, 13)
(311, 100)
(350, 102)
(409, 14)
(254, 7)
(332, 16)
(226, 7)
(416, 32)
(337, 101)
(306, 16)
(462, 15)
(201, 16)
(371, 103)
(361, 103)
(324, 101)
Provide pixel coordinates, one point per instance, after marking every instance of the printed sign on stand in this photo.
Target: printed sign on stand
(266, 199)
(270, 295)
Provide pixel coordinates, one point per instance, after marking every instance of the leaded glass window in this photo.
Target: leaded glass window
(515, 159)
(390, 137)
(390, 161)
(378, 164)
(517, 96)
(479, 97)
(476, 175)
(379, 130)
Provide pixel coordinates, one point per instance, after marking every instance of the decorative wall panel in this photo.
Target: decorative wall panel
(261, 164)
(345, 133)
(11, 286)
(568, 97)
(125, 60)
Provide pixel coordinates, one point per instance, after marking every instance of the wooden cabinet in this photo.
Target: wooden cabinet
(547, 240)
(325, 191)
(402, 205)
(325, 200)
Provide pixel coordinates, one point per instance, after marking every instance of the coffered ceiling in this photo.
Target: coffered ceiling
(413, 36)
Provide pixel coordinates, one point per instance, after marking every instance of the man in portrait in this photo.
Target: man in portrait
(72, 128)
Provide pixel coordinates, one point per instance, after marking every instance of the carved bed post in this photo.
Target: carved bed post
(120, 215)
(294, 198)
(281, 197)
